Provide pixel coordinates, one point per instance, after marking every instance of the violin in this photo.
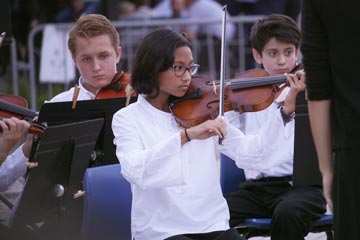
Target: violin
(251, 91)
(16, 106)
(118, 87)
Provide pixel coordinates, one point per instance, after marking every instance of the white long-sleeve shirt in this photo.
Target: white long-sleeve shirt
(12, 168)
(279, 155)
(175, 187)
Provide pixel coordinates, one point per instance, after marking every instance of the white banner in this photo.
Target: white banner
(56, 65)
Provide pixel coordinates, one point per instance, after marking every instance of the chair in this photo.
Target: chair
(107, 204)
(231, 176)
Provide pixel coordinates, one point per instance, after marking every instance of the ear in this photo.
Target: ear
(297, 52)
(118, 54)
(74, 59)
(257, 56)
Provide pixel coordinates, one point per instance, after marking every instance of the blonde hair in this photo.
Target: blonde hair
(92, 25)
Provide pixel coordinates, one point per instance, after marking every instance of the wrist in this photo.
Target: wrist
(2, 158)
(26, 149)
(3, 155)
(288, 108)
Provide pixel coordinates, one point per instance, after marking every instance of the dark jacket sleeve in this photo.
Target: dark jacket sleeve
(315, 50)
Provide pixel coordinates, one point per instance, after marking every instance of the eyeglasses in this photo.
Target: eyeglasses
(180, 70)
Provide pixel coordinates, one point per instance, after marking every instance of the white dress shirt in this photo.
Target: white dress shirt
(12, 168)
(176, 188)
(68, 95)
(279, 155)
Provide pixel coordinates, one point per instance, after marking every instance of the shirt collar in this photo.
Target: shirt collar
(85, 90)
(150, 108)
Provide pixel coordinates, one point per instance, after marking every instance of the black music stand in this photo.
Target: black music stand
(62, 112)
(63, 154)
(306, 168)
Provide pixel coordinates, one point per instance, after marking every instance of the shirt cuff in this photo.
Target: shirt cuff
(286, 118)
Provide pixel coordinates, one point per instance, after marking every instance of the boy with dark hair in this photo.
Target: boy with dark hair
(269, 192)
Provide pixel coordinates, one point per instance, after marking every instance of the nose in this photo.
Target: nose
(187, 75)
(96, 66)
(281, 59)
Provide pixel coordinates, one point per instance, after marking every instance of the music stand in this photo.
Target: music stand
(63, 154)
(306, 168)
(62, 112)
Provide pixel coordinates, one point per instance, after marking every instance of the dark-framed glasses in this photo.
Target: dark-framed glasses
(180, 70)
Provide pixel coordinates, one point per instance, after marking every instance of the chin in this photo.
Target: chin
(179, 95)
(102, 84)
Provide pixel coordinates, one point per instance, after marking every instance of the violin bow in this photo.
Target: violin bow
(222, 68)
(2, 36)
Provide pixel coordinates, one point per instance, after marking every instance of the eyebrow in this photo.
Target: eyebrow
(100, 53)
(272, 49)
(289, 48)
(183, 63)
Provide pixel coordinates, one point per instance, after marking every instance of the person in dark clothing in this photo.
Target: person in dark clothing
(24, 16)
(330, 57)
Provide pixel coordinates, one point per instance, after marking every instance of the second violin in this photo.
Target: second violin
(254, 90)
(119, 87)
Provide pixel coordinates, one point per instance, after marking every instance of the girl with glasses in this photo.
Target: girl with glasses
(173, 171)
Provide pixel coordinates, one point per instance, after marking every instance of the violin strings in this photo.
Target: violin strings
(247, 82)
(257, 81)
(10, 107)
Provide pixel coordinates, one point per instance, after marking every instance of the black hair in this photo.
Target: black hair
(281, 27)
(155, 54)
